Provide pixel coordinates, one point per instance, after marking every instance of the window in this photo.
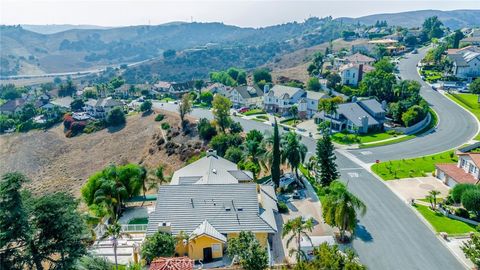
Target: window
(216, 247)
(462, 163)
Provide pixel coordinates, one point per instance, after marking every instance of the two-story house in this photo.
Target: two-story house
(308, 105)
(359, 116)
(246, 96)
(466, 63)
(218, 88)
(281, 98)
(101, 107)
(466, 170)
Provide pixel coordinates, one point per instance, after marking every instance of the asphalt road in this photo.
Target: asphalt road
(391, 235)
(456, 126)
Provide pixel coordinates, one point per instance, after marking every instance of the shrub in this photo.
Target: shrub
(462, 212)
(471, 200)
(159, 117)
(205, 129)
(283, 208)
(67, 121)
(158, 245)
(116, 117)
(165, 126)
(458, 190)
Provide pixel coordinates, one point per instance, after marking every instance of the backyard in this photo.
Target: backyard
(414, 167)
(469, 102)
(442, 223)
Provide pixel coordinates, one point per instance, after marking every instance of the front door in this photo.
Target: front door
(207, 255)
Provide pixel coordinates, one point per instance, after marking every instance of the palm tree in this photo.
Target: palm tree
(143, 180)
(328, 106)
(433, 193)
(340, 209)
(294, 111)
(293, 151)
(297, 228)
(113, 233)
(111, 194)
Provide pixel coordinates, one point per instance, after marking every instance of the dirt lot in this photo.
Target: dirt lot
(57, 163)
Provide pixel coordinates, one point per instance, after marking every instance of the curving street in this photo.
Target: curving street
(391, 235)
(455, 126)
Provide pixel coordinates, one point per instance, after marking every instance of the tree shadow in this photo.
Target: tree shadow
(113, 129)
(147, 113)
(292, 207)
(362, 233)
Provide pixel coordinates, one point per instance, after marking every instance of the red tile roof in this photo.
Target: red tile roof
(173, 263)
(458, 174)
(475, 158)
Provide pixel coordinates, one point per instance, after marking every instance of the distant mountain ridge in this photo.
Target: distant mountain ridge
(56, 28)
(454, 19)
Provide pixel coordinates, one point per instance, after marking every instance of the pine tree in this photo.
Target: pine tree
(326, 160)
(276, 156)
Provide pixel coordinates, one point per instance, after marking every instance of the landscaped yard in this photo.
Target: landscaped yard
(442, 223)
(432, 75)
(414, 167)
(347, 138)
(290, 122)
(254, 111)
(469, 102)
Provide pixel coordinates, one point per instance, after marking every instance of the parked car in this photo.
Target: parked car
(243, 110)
(415, 51)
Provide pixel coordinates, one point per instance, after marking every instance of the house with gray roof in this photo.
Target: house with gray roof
(359, 116)
(308, 104)
(466, 63)
(246, 96)
(211, 201)
(281, 98)
(101, 107)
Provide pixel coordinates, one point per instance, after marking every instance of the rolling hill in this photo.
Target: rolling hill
(454, 19)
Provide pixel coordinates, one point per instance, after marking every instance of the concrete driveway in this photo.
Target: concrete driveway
(418, 187)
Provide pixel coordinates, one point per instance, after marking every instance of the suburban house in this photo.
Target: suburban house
(218, 88)
(352, 73)
(12, 106)
(281, 98)
(308, 105)
(179, 89)
(466, 62)
(466, 170)
(359, 116)
(246, 96)
(390, 45)
(212, 200)
(358, 58)
(101, 107)
(162, 86)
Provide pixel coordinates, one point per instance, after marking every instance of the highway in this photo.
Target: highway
(391, 235)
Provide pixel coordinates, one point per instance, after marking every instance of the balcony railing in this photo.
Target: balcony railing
(134, 227)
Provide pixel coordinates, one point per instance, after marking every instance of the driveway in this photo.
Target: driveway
(418, 187)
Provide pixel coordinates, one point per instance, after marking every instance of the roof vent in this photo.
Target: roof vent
(214, 171)
(228, 209)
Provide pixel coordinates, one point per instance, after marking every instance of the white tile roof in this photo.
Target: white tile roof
(206, 228)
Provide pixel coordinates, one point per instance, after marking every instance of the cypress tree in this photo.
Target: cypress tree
(276, 156)
(326, 160)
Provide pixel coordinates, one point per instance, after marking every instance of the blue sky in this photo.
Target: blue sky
(243, 13)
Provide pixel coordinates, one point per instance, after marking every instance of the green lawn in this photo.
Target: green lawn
(469, 102)
(264, 117)
(432, 124)
(167, 99)
(442, 223)
(254, 111)
(347, 138)
(290, 122)
(138, 221)
(259, 120)
(414, 167)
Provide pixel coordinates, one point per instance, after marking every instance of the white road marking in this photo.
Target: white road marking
(353, 175)
(351, 169)
(365, 153)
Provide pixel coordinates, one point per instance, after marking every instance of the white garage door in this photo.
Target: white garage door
(451, 183)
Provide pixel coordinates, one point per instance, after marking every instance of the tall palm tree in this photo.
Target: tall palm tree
(111, 194)
(114, 233)
(293, 151)
(294, 112)
(297, 228)
(340, 209)
(433, 193)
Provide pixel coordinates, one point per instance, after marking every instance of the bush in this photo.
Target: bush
(158, 245)
(471, 200)
(222, 142)
(93, 126)
(283, 208)
(458, 190)
(116, 117)
(26, 126)
(462, 212)
(165, 126)
(234, 154)
(159, 117)
(146, 106)
(205, 129)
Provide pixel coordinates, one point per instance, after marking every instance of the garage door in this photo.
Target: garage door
(451, 183)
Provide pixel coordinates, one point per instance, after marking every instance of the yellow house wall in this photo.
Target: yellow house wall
(261, 237)
(201, 242)
(181, 249)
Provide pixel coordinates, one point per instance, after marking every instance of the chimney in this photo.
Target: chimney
(165, 227)
(360, 72)
(212, 153)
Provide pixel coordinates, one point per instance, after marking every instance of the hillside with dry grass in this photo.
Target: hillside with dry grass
(57, 163)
